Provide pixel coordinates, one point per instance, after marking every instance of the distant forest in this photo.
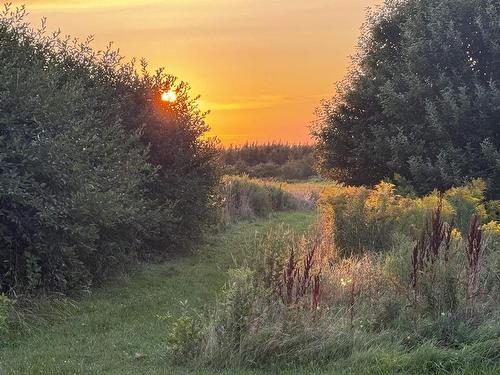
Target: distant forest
(272, 160)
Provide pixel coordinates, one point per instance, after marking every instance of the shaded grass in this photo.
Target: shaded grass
(107, 328)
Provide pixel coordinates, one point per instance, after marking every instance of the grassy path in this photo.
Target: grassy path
(115, 322)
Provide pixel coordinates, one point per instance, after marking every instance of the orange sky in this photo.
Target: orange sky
(260, 66)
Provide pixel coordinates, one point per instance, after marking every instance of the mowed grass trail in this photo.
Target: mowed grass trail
(102, 335)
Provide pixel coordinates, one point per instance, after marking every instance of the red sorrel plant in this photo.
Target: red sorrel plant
(437, 233)
(433, 244)
(301, 278)
(473, 252)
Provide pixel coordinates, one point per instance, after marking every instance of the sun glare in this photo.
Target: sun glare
(169, 96)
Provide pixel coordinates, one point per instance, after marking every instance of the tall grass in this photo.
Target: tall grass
(247, 198)
(428, 303)
(366, 219)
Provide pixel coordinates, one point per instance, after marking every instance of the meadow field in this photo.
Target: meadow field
(159, 318)
(134, 241)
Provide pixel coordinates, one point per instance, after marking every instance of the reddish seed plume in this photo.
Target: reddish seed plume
(434, 240)
(437, 233)
(298, 278)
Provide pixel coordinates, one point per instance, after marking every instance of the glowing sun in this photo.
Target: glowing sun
(169, 96)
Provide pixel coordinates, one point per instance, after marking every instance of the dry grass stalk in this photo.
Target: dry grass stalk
(473, 252)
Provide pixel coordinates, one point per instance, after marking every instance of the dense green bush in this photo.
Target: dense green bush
(95, 171)
(421, 100)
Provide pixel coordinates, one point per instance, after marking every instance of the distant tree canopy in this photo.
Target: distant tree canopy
(422, 101)
(95, 171)
(276, 160)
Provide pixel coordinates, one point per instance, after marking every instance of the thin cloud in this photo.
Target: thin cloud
(247, 103)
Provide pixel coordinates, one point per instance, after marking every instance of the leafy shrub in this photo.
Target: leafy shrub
(467, 200)
(493, 209)
(297, 169)
(184, 334)
(95, 172)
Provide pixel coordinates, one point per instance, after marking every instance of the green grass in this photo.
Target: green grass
(103, 333)
(107, 328)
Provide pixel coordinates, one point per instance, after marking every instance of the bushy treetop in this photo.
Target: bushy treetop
(422, 100)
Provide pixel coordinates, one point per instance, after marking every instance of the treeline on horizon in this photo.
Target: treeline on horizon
(272, 160)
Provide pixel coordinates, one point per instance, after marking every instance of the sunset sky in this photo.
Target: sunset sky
(260, 66)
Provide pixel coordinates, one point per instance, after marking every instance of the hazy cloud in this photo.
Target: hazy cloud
(246, 103)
